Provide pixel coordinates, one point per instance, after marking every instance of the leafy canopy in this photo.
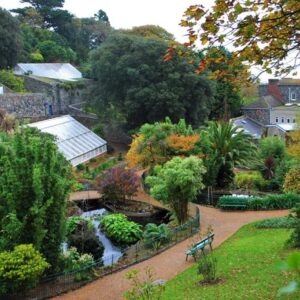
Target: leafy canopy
(176, 183)
(34, 185)
(10, 40)
(20, 268)
(263, 33)
(157, 143)
(131, 77)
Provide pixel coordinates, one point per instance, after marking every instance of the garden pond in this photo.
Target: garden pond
(94, 211)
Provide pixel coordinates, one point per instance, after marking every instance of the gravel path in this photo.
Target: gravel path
(171, 262)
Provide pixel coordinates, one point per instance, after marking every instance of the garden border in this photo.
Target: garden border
(61, 283)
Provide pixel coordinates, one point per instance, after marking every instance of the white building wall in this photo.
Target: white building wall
(284, 116)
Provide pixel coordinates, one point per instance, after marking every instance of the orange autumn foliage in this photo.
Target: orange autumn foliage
(181, 143)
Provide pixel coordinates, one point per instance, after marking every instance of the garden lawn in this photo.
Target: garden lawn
(248, 262)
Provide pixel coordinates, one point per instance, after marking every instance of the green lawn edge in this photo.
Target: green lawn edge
(249, 262)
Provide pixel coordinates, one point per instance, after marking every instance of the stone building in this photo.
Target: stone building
(52, 90)
(275, 112)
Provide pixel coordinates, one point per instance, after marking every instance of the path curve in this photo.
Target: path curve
(172, 261)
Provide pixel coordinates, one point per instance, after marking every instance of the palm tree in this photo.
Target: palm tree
(224, 147)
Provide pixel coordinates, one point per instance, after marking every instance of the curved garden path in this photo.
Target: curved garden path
(171, 262)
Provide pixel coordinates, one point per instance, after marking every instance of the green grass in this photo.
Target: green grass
(248, 262)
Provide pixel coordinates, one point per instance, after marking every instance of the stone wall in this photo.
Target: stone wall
(287, 90)
(25, 105)
(262, 116)
(61, 95)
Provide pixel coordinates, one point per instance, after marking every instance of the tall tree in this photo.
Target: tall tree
(263, 33)
(10, 40)
(130, 75)
(151, 31)
(177, 183)
(102, 17)
(50, 10)
(228, 101)
(85, 34)
(34, 185)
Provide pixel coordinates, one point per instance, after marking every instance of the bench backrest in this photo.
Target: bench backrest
(210, 238)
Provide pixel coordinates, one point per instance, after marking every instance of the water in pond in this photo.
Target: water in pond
(111, 252)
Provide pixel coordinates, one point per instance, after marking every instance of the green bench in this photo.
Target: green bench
(200, 246)
(233, 203)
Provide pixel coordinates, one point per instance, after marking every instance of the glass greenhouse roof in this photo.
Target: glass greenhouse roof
(49, 70)
(72, 138)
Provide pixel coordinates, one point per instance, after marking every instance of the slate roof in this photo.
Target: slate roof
(72, 138)
(264, 102)
(60, 71)
(249, 126)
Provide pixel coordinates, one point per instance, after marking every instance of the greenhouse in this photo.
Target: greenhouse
(75, 141)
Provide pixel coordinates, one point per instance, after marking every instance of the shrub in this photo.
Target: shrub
(282, 201)
(92, 160)
(118, 183)
(207, 267)
(292, 181)
(295, 237)
(72, 260)
(249, 180)
(227, 199)
(120, 229)
(98, 129)
(80, 167)
(13, 82)
(281, 222)
(120, 156)
(110, 149)
(84, 238)
(154, 236)
(146, 288)
(20, 268)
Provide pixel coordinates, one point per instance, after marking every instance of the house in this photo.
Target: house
(76, 142)
(59, 71)
(276, 110)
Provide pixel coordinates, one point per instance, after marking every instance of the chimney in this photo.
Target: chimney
(273, 81)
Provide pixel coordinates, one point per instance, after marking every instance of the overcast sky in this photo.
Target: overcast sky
(125, 14)
(129, 13)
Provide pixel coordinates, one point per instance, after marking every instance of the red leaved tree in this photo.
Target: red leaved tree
(118, 183)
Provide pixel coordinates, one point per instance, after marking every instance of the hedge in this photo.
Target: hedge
(282, 201)
(281, 222)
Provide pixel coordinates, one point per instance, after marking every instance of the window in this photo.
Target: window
(288, 120)
(293, 96)
(294, 120)
(276, 120)
(282, 120)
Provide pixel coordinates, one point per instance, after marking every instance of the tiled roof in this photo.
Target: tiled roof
(249, 126)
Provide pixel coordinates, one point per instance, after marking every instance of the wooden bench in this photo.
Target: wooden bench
(200, 246)
(233, 203)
